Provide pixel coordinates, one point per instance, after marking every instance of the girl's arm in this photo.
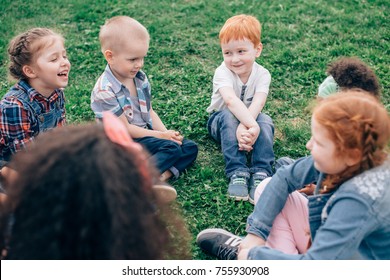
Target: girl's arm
(238, 108)
(349, 221)
(286, 180)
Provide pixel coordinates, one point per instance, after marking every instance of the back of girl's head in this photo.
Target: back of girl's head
(241, 27)
(23, 47)
(351, 72)
(80, 196)
(358, 124)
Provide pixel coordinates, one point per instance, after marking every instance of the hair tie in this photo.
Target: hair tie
(328, 87)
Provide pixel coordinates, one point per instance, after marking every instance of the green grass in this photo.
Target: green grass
(300, 37)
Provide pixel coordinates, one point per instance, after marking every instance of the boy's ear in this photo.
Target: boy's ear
(108, 55)
(354, 157)
(259, 48)
(28, 71)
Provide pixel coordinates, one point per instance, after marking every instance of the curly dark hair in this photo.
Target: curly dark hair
(80, 196)
(351, 72)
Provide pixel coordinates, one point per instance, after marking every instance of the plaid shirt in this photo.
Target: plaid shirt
(22, 117)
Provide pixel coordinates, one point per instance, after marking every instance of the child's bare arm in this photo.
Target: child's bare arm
(246, 137)
(157, 122)
(138, 132)
(238, 109)
(166, 134)
(257, 104)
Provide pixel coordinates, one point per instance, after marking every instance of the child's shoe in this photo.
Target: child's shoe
(255, 180)
(238, 186)
(165, 192)
(219, 242)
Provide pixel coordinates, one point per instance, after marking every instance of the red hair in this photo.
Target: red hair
(241, 27)
(356, 122)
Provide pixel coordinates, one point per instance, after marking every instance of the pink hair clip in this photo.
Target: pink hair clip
(117, 132)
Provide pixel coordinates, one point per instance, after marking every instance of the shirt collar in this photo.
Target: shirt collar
(116, 84)
(34, 94)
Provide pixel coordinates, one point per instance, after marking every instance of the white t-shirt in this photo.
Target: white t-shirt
(259, 81)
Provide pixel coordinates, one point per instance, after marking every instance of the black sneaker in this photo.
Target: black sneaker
(219, 242)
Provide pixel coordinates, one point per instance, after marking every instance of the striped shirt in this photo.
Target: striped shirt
(109, 94)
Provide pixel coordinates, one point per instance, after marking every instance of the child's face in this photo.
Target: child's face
(239, 56)
(323, 150)
(126, 62)
(50, 69)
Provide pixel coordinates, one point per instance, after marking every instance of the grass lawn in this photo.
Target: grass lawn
(300, 37)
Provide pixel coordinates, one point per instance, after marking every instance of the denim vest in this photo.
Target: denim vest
(41, 120)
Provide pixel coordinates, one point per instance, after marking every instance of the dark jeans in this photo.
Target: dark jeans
(168, 155)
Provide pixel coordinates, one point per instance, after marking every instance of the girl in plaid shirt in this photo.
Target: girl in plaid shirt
(36, 103)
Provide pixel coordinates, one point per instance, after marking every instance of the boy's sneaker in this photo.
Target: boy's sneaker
(219, 242)
(165, 192)
(255, 180)
(238, 186)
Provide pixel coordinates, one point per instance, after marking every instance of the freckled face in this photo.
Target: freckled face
(239, 56)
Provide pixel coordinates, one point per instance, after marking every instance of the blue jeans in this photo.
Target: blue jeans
(222, 127)
(168, 155)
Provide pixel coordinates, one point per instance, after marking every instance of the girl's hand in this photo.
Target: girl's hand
(308, 189)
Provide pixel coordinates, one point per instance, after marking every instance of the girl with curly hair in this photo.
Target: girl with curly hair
(86, 192)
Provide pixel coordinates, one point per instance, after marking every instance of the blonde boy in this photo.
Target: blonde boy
(124, 89)
(240, 89)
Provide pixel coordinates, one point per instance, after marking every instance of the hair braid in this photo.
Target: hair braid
(22, 48)
(356, 121)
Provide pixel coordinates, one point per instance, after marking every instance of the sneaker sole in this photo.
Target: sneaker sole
(165, 194)
(215, 230)
(239, 198)
(251, 201)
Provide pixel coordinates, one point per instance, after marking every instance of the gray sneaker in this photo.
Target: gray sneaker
(255, 180)
(219, 242)
(238, 186)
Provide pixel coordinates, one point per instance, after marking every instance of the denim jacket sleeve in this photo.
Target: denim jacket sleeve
(339, 236)
(286, 180)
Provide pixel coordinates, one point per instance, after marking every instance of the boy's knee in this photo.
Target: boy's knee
(189, 149)
(264, 119)
(228, 119)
